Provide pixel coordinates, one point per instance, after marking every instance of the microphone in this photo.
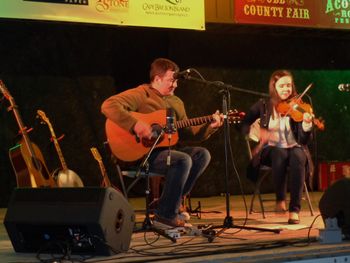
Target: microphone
(182, 74)
(344, 87)
(170, 121)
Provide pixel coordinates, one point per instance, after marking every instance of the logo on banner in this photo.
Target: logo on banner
(107, 5)
(174, 2)
(71, 2)
(170, 8)
(340, 10)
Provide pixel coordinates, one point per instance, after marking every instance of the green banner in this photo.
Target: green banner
(184, 14)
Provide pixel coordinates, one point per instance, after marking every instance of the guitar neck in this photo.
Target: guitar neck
(42, 115)
(60, 154)
(106, 182)
(18, 118)
(57, 146)
(194, 121)
(22, 129)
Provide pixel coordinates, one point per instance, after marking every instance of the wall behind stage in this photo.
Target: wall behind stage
(67, 71)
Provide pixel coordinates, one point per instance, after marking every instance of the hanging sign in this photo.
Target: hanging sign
(305, 13)
(184, 14)
(276, 12)
(334, 13)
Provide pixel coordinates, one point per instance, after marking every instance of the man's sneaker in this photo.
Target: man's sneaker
(184, 216)
(165, 223)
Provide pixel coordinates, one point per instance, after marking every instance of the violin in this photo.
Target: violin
(296, 108)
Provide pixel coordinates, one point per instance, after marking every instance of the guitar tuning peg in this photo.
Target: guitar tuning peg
(61, 137)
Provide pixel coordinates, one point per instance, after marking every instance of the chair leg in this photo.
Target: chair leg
(120, 175)
(257, 193)
(261, 205)
(251, 210)
(308, 199)
(155, 182)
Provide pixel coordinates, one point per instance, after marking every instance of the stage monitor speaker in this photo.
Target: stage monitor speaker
(88, 220)
(335, 203)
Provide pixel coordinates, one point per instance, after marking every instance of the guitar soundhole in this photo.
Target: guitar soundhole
(156, 131)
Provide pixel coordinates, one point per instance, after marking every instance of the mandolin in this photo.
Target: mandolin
(26, 158)
(65, 177)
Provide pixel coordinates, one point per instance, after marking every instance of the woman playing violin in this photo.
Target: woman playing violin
(283, 142)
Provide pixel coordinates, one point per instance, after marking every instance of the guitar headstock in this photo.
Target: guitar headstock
(5, 91)
(96, 154)
(43, 117)
(234, 116)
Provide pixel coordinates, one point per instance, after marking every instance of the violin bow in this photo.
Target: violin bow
(306, 90)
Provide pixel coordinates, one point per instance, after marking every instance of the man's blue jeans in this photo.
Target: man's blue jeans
(186, 165)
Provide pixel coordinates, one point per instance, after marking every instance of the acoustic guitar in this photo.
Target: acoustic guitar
(128, 147)
(65, 177)
(26, 158)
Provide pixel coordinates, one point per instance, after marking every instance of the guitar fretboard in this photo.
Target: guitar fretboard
(194, 121)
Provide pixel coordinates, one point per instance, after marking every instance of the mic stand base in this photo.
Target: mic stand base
(228, 224)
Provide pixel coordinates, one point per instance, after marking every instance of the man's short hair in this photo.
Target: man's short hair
(160, 66)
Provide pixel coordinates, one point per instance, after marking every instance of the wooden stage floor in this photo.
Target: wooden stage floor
(293, 243)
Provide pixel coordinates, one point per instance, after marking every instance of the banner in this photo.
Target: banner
(184, 14)
(276, 12)
(334, 13)
(304, 13)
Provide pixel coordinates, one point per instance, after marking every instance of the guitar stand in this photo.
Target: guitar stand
(198, 210)
(147, 225)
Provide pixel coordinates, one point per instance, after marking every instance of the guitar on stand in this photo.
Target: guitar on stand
(105, 179)
(26, 158)
(65, 177)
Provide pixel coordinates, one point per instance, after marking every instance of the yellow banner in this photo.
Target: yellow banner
(185, 14)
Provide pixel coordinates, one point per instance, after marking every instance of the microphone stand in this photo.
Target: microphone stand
(147, 224)
(226, 86)
(228, 221)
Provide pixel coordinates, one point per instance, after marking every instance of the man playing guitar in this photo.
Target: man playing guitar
(128, 113)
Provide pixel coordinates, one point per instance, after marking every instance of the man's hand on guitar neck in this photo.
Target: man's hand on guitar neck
(217, 120)
(143, 130)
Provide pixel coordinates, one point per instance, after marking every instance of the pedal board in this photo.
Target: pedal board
(199, 230)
